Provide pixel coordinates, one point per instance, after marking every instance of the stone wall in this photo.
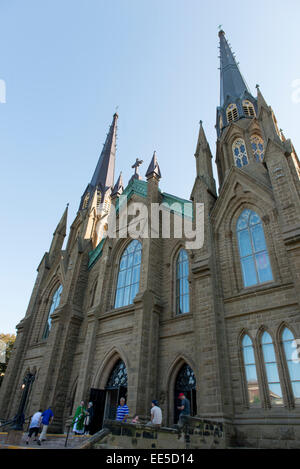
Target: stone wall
(196, 433)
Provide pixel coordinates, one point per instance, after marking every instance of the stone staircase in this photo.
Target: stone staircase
(195, 433)
(54, 441)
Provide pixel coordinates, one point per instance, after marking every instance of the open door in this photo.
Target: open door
(97, 397)
(186, 383)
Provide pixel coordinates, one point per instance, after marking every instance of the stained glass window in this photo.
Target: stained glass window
(182, 283)
(257, 147)
(54, 304)
(250, 371)
(274, 386)
(293, 360)
(129, 274)
(185, 380)
(254, 255)
(118, 376)
(240, 153)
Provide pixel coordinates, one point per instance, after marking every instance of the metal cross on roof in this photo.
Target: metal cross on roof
(136, 165)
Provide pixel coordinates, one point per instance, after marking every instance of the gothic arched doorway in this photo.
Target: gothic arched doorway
(105, 401)
(186, 383)
(116, 388)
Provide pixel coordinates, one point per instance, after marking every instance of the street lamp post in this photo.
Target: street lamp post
(19, 418)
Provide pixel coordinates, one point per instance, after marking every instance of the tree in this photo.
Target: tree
(6, 344)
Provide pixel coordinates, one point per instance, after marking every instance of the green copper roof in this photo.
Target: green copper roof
(96, 253)
(136, 186)
(174, 204)
(177, 205)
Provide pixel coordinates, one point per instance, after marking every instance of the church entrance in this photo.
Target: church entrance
(115, 389)
(105, 401)
(186, 383)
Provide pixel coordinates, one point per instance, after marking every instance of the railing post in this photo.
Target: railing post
(68, 432)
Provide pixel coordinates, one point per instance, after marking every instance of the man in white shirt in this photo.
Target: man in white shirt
(34, 426)
(156, 414)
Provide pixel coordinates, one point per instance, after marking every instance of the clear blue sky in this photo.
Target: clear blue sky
(67, 64)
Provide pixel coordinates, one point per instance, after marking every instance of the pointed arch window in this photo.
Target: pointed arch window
(293, 361)
(254, 255)
(240, 153)
(257, 144)
(250, 371)
(129, 274)
(118, 376)
(182, 283)
(54, 304)
(248, 108)
(232, 113)
(186, 383)
(274, 386)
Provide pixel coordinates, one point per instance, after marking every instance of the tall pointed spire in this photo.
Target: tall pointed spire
(105, 169)
(232, 82)
(103, 177)
(236, 100)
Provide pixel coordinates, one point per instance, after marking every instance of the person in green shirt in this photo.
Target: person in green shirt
(78, 419)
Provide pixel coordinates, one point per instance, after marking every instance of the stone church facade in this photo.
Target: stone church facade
(148, 318)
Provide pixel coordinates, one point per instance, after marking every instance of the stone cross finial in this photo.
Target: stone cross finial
(136, 166)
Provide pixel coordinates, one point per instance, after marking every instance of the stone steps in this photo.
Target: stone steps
(106, 446)
(54, 441)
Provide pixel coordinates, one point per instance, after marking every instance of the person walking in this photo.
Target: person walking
(78, 419)
(184, 408)
(47, 419)
(122, 411)
(88, 418)
(156, 414)
(34, 426)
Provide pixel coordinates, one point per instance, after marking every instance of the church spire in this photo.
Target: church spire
(103, 177)
(236, 100)
(232, 82)
(105, 169)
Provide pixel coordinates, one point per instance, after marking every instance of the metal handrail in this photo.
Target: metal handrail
(13, 420)
(68, 433)
(7, 422)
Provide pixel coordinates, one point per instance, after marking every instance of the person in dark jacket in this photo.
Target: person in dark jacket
(88, 418)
